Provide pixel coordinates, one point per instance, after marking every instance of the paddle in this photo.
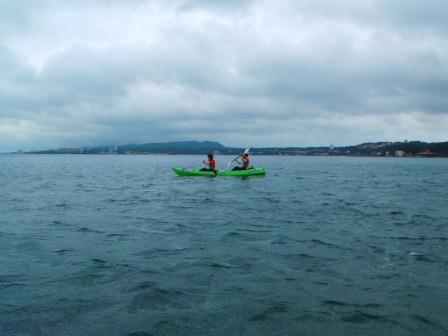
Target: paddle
(245, 152)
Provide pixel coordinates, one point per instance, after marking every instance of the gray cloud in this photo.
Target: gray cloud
(243, 72)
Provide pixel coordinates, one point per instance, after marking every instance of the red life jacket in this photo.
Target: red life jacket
(212, 163)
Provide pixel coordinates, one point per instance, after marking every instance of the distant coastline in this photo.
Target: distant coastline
(372, 149)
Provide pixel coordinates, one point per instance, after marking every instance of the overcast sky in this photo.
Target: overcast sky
(245, 73)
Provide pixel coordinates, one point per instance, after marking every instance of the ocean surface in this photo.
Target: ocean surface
(119, 245)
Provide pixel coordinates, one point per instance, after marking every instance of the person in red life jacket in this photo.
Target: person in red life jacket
(246, 162)
(211, 164)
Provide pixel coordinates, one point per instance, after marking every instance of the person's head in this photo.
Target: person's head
(210, 156)
(245, 155)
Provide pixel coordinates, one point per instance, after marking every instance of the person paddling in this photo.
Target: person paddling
(246, 162)
(211, 164)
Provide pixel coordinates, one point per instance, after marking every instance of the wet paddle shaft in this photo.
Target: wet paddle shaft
(245, 152)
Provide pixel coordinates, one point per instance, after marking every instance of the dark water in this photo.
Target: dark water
(118, 245)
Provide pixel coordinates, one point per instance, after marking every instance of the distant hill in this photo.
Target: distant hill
(169, 147)
(177, 147)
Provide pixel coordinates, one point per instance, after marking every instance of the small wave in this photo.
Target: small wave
(86, 229)
(150, 297)
(235, 235)
(222, 265)
(271, 200)
(421, 257)
(12, 284)
(278, 308)
(139, 333)
(99, 261)
(362, 317)
(308, 256)
(386, 276)
(427, 321)
(148, 254)
(396, 213)
(6, 234)
(418, 216)
(320, 242)
(376, 249)
(61, 251)
(116, 235)
(10, 278)
(254, 231)
(346, 304)
(286, 240)
(417, 238)
(142, 287)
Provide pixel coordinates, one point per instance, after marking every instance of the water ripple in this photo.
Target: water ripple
(118, 245)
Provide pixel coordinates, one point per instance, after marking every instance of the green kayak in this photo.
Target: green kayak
(197, 172)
